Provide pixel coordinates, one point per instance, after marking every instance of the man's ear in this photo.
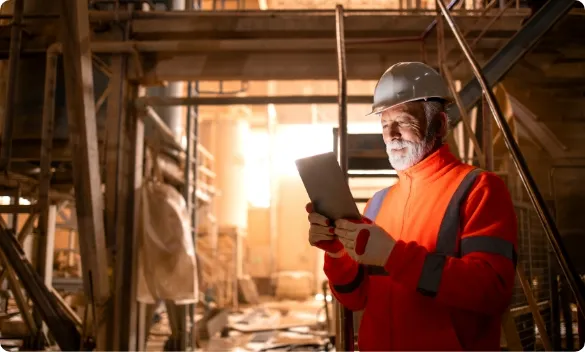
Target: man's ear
(444, 125)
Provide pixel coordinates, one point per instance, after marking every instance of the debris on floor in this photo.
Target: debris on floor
(267, 326)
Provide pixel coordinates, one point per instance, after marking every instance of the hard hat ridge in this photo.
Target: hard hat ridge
(408, 81)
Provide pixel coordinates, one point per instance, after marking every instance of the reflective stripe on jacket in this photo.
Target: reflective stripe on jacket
(451, 274)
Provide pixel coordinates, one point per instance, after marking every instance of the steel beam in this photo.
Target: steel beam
(253, 100)
(11, 89)
(77, 61)
(526, 38)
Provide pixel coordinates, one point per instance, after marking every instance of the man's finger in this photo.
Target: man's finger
(318, 219)
(317, 237)
(343, 233)
(309, 207)
(346, 224)
(321, 230)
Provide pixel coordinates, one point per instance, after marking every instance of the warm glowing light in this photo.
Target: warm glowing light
(299, 141)
(5, 200)
(257, 168)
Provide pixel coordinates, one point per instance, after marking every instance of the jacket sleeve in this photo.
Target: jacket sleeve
(482, 279)
(348, 280)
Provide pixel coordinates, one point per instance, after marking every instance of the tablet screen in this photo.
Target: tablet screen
(327, 187)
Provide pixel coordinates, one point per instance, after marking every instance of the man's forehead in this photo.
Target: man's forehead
(415, 109)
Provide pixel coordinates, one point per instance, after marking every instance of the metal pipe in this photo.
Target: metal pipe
(433, 24)
(13, 66)
(344, 318)
(555, 317)
(487, 133)
(124, 16)
(484, 31)
(162, 127)
(551, 230)
(251, 100)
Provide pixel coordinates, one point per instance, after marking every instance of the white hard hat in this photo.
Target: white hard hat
(408, 81)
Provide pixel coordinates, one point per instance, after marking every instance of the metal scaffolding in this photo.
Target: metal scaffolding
(160, 50)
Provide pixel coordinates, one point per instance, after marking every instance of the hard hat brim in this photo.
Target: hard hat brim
(382, 108)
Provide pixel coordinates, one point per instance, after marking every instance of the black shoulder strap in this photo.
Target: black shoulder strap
(447, 237)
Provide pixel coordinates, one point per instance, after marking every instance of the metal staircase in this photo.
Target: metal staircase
(503, 61)
(481, 87)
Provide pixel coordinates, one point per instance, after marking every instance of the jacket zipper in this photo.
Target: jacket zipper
(406, 204)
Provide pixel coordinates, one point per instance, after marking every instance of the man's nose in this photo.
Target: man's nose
(394, 131)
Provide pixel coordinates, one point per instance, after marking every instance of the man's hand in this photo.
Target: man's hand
(364, 241)
(321, 234)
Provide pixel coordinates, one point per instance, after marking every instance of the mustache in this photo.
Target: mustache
(398, 144)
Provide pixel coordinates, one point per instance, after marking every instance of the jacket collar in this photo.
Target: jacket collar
(433, 166)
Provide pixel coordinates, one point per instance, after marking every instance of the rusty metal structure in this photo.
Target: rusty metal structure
(86, 148)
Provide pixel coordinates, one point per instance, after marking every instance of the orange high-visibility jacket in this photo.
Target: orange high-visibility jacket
(450, 276)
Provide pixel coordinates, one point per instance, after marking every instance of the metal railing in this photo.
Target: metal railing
(344, 317)
(550, 229)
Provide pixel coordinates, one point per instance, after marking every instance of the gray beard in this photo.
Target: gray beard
(415, 153)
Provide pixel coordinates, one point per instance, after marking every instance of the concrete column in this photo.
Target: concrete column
(225, 136)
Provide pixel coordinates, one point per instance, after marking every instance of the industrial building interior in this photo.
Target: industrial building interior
(150, 199)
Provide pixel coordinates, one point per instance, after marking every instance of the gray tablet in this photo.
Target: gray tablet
(327, 187)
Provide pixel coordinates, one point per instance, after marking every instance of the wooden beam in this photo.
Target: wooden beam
(120, 203)
(77, 62)
(306, 23)
(275, 66)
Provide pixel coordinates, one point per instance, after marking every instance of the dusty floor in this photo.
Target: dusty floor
(271, 325)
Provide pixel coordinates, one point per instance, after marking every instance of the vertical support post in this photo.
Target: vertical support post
(45, 162)
(555, 316)
(122, 152)
(190, 179)
(15, 200)
(50, 245)
(77, 62)
(344, 317)
(440, 47)
(487, 138)
(136, 125)
(13, 67)
(141, 308)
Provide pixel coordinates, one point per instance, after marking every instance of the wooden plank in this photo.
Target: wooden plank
(77, 61)
(309, 24)
(277, 66)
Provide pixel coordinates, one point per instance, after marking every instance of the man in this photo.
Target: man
(434, 268)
